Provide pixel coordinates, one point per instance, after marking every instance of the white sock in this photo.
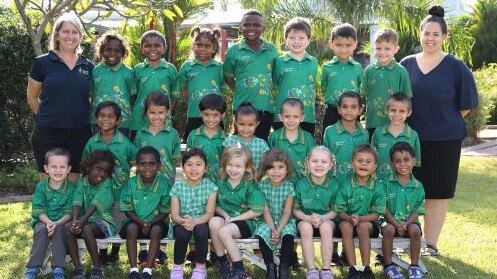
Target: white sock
(147, 270)
(162, 248)
(134, 269)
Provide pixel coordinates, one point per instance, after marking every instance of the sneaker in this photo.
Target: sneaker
(142, 257)
(199, 273)
(312, 274)
(378, 260)
(367, 273)
(391, 272)
(31, 273)
(146, 275)
(58, 273)
(353, 273)
(161, 257)
(240, 274)
(97, 273)
(326, 274)
(134, 275)
(177, 273)
(78, 273)
(415, 272)
(112, 259)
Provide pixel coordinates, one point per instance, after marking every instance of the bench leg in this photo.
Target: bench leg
(253, 259)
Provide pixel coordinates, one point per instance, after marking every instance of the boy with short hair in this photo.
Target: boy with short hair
(383, 78)
(398, 108)
(405, 203)
(51, 209)
(359, 203)
(248, 68)
(342, 73)
(295, 73)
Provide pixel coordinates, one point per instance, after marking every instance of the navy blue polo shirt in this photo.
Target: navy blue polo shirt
(439, 96)
(64, 97)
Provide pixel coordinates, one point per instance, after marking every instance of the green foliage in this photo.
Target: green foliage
(460, 39)
(486, 81)
(484, 29)
(22, 181)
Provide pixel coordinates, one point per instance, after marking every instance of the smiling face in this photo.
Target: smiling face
(385, 51)
(203, 49)
(431, 37)
(319, 164)
(107, 119)
(343, 47)
(297, 41)
(349, 109)
(153, 48)
(398, 112)
(403, 163)
(364, 164)
(68, 37)
(147, 167)
(57, 169)
(194, 170)
(246, 125)
(236, 169)
(277, 173)
(252, 27)
(157, 115)
(113, 52)
(291, 116)
(99, 172)
(211, 118)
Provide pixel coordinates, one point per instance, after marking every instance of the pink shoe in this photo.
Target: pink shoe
(199, 273)
(177, 273)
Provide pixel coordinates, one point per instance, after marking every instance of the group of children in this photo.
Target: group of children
(272, 186)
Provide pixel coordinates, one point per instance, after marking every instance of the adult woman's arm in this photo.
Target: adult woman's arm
(33, 93)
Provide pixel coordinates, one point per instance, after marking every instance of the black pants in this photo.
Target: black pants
(182, 237)
(285, 251)
(306, 126)
(331, 117)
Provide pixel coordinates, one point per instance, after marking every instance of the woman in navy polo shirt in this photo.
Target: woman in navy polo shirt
(444, 91)
(58, 93)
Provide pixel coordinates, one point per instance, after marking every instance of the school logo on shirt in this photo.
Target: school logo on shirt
(339, 143)
(83, 72)
(288, 70)
(391, 196)
(245, 57)
(192, 74)
(382, 144)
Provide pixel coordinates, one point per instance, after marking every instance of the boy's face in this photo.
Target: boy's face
(157, 115)
(194, 169)
(398, 112)
(112, 52)
(384, 51)
(291, 116)
(211, 118)
(297, 41)
(403, 163)
(349, 109)
(252, 27)
(246, 125)
(57, 168)
(364, 164)
(99, 172)
(107, 119)
(343, 47)
(153, 48)
(147, 167)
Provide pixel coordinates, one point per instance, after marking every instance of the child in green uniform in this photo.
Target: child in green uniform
(405, 203)
(153, 75)
(291, 138)
(92, 211)
(51, 209)
(248, 68)
(313, 207)
(246, 120)
(359, 203)
(345, 135)
(112, 80)
(209, 136)
(383, 78)
(146, 201)
(279, 225)
(341, 74)
(193, 203)
(398, 108)
(239, 204)
(295, 72)
(201, 75)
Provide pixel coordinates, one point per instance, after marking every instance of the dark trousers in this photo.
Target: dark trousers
(182, 237)
(331, 117)
(285, 251)
(40, 245)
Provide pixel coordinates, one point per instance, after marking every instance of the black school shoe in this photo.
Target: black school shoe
(134, 275)
(112, 259)
(367, 273)
(161, 257)
(354, 273)
(142, 257)
(146, 275)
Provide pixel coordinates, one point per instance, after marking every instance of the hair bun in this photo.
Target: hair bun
(436, 11)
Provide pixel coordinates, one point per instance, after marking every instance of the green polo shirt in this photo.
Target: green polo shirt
(252, 73)
(116, 84)
(163, 78)
(342, 143)
(146, 202)
(124, 155)
(200, 80)
(193, 199)
(404, 200)
(338, 77)
(379, 83)
(296, 79)
(241, 198)
(55, 203)
(212, 147)
(257, 146)
(313, 198)
(296, 150)
(383, 141)
(100, 196)
(167, 142)
(354, 198)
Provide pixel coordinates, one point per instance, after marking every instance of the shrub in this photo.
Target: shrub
(22, 181)
(486, 81)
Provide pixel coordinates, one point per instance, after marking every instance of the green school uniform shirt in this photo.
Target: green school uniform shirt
(252, 73)
(297, 150)
(241, 198)
(296, 79)
(313, 198)
(354, 198)
(116, 84)
(167, 142)
(100, 196)
(146, 202)
(193, 199)
(404, 200)
(342, 143)
(163, 78)
(378, 84)
(212, 147)
(338, 77)
(124, 155)
(257, 146)
(200, 80)
(55, 203)
(383, 141)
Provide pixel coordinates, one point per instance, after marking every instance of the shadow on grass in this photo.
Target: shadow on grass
(448, 267)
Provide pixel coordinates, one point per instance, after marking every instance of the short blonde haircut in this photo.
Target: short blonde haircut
(69, 17)
(323, 149)
(235, 151)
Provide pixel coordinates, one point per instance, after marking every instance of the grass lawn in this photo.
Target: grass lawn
(468, 243)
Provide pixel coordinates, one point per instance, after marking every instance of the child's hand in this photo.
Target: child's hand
(354, 219)
(275, 236)
(401, 228)
(188, 223)
(146, 228)
(316, 220)
(227, 220)
(76, 226)
(51, 228)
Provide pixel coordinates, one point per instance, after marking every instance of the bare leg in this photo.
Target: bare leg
(388, 232)
(131, 236)
(306, 231)
(436, 210)
(90, 233)
(72, 247)
(155, 234)
(348, 242)
(415, 242)
(227, 234)
(364, 229)
(214, 224)
(326, 231)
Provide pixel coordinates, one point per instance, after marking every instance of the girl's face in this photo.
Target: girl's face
(203, 49)
(349, 109)
(194, 170)
(319, 164)
(156, 115)
(246, 125)
(68, 37)
(431, 37)
(99, 172)
(112, 52)
(236, 168)
(107, 119)
(277, 173)
(153, 48)
(147, 167)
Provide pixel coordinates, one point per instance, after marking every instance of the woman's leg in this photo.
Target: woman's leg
(434, 219)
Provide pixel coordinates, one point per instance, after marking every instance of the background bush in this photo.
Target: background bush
(486, 81)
